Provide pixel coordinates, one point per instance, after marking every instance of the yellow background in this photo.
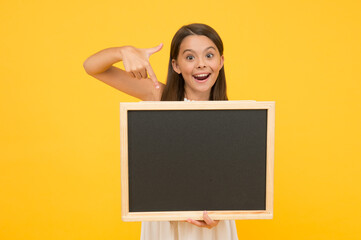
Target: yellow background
(59, 158)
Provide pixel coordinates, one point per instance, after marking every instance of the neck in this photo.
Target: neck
(199, 96)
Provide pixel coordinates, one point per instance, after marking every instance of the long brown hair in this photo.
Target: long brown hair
(174, 89)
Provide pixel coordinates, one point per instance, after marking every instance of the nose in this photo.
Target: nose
(201, 63)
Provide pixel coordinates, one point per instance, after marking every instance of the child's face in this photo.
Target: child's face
(199, 62)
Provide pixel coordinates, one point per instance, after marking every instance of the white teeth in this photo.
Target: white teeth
(201, 75)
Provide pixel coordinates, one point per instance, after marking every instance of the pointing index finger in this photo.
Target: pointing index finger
(152, 76)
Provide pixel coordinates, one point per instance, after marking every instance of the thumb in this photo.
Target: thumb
(153, 50)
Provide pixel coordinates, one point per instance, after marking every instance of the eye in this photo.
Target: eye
(189, 57)
(209, 55)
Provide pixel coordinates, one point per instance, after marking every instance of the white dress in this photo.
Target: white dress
(174, 230)
(225, 230)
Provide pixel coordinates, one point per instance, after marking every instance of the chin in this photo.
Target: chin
(203, 90)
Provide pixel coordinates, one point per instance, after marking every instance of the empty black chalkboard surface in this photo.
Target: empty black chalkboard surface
(180, 158)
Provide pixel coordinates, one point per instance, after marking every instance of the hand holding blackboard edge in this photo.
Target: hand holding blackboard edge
(206, 223)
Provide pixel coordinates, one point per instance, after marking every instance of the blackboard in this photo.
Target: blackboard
(182, 158)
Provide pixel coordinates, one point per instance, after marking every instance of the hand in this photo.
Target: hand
(206, 223)
(136, 62)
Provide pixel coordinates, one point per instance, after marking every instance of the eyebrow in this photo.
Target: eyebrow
(193, 50)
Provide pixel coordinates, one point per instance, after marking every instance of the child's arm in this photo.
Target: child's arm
(134, 80)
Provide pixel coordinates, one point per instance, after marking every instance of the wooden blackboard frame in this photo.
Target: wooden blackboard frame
(198, 105)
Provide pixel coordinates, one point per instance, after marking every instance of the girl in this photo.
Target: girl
(195, 73)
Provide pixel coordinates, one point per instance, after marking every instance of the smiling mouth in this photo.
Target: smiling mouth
(201, 77)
